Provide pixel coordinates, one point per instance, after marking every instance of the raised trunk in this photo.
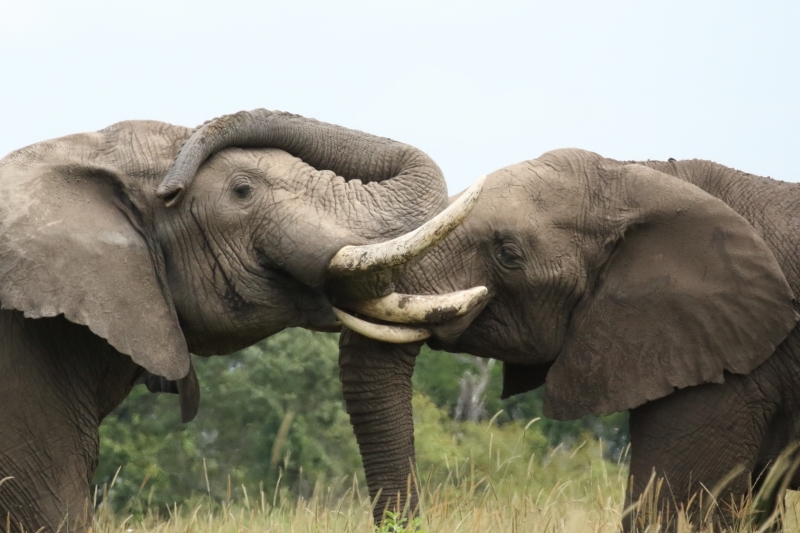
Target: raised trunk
(376, 382)
(380, 173)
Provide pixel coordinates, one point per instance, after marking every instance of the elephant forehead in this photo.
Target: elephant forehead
(528, 194)
(261, 158)
(272, 167)
(539, 182)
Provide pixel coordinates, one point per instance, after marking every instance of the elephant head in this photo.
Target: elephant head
(260, 216)
(610, 283)
(613, 273)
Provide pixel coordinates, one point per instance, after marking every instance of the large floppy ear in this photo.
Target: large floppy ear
(75, 239)
(689, 291)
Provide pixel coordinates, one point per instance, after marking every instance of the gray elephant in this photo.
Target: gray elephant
(664, 288)
(112, 269)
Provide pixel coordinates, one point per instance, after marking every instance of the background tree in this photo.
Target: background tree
(275, 410)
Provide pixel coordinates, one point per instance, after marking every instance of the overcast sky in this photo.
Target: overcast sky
(477, 85)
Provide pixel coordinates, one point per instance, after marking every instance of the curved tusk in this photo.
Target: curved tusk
(427, 309)
(379, 332)
(398, 251)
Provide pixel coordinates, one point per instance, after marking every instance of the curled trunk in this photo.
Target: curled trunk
(399, 171)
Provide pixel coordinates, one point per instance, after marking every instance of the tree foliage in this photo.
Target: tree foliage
(289, 379)
(437, 376)
(275, 410)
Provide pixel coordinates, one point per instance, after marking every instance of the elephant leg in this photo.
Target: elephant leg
(777, 452)
(376, 381)
(59, 381)
(694, 439)
(46, 473)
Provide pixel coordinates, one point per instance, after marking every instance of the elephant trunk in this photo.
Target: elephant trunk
(403, 171)
(376, 382)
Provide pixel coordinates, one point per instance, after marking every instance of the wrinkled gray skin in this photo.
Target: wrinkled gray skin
(103, 286)
(665, 288)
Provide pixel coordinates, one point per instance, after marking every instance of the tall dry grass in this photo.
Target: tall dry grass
(566, 491)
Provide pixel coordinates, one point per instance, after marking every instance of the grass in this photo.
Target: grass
(468, 501)
(569, 491)
(472, 478)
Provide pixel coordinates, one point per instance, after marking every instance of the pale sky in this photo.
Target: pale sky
(477, 85)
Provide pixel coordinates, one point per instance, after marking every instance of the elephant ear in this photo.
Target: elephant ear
(188, 389)
(73, 240)
(689, 291)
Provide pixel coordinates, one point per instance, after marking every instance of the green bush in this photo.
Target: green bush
(276, 410)
(291, 378)
(437, 376)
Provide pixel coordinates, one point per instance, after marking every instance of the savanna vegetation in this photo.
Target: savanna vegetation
(275, 410)
(272, 450)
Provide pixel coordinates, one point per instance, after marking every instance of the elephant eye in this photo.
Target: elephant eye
(508, 255)
(243, 190)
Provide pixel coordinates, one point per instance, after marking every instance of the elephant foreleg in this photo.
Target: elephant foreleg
(695, 439)
(376, 381)
(59, 381)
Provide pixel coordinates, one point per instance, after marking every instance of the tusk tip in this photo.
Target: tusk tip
(480, 290)
(380, 332)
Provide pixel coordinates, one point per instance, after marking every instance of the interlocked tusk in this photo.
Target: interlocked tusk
(398, 251)
(380, 332)
(422, 309)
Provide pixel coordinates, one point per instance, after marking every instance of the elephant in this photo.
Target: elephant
(663, 288)
(123, 250)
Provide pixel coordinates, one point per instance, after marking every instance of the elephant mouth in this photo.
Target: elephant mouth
(404, 318)
(323, 320)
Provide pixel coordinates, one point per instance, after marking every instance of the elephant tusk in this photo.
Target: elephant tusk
(380, 332)
(425, 309)
(401, 250)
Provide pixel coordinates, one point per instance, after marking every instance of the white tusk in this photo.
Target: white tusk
(398, 251)
(379, 332)
(427, 309)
